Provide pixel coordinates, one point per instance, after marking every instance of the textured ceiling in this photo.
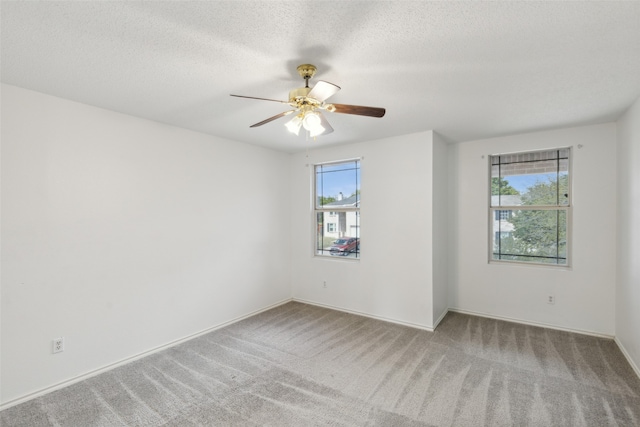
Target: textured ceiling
(468, 70)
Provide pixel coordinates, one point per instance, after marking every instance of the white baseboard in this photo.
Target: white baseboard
(372, 316)
(114, 365)
(437, 322)
(531, 323)
(628, 357)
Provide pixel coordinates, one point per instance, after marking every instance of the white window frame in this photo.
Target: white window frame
(332, 210)
(568, 209)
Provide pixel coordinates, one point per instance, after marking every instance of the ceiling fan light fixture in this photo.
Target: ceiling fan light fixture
(318, 130)
(294, 125)
(311, 121)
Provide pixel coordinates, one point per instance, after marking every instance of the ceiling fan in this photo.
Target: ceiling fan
(307, 104)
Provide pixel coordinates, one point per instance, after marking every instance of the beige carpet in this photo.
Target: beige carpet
(301, 365)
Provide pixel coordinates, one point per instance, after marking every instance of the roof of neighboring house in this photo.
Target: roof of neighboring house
(346, 202)
(506, 200)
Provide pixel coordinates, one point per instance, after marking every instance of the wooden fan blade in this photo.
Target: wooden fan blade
(359, 110)
(323, 90)
(262, 99)
(270, 119)
(325, 124)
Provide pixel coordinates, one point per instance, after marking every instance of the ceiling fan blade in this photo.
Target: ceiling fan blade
(359, 110)
(325, 124)
(323, 90)
(262, 99)
(270, 119)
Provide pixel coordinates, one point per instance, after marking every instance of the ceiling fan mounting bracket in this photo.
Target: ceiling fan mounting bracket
(307, 71)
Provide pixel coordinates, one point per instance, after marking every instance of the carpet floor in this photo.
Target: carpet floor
(302, 365)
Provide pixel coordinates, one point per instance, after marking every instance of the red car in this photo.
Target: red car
(344, 245)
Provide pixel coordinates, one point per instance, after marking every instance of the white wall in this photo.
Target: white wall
(628, 273)
(393, 278)
(585, 295)
(121, 235)
(440, 241)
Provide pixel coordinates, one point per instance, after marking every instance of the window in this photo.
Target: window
(337, 209)
(504, 215)
(530, 207)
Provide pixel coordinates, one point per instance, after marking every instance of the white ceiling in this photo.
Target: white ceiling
(468, 70)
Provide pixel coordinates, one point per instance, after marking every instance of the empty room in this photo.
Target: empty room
(349, 213)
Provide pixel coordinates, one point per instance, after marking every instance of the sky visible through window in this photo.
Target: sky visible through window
(523, 182)
(338, 178)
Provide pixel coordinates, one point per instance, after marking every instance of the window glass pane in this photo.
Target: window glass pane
(495, 179)
(538, 236)
(324, 239)
(563, 153)
(338, 184)
(339, 234)
(563, 183)
(542, 190)
(337, 206)
(532, 179)
(502, 193)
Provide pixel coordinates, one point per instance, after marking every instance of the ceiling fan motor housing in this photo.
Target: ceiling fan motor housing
(300, 92)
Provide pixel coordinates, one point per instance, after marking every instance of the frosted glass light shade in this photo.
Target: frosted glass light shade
(313, 124)
(294, 125)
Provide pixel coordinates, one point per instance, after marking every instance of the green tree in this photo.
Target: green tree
(540, 233)
(500, 186)
(547, 193)
(326, 200)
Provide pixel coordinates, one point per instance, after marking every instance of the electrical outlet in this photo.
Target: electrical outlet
(58, 345)
(324, 284)
(551, 299)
